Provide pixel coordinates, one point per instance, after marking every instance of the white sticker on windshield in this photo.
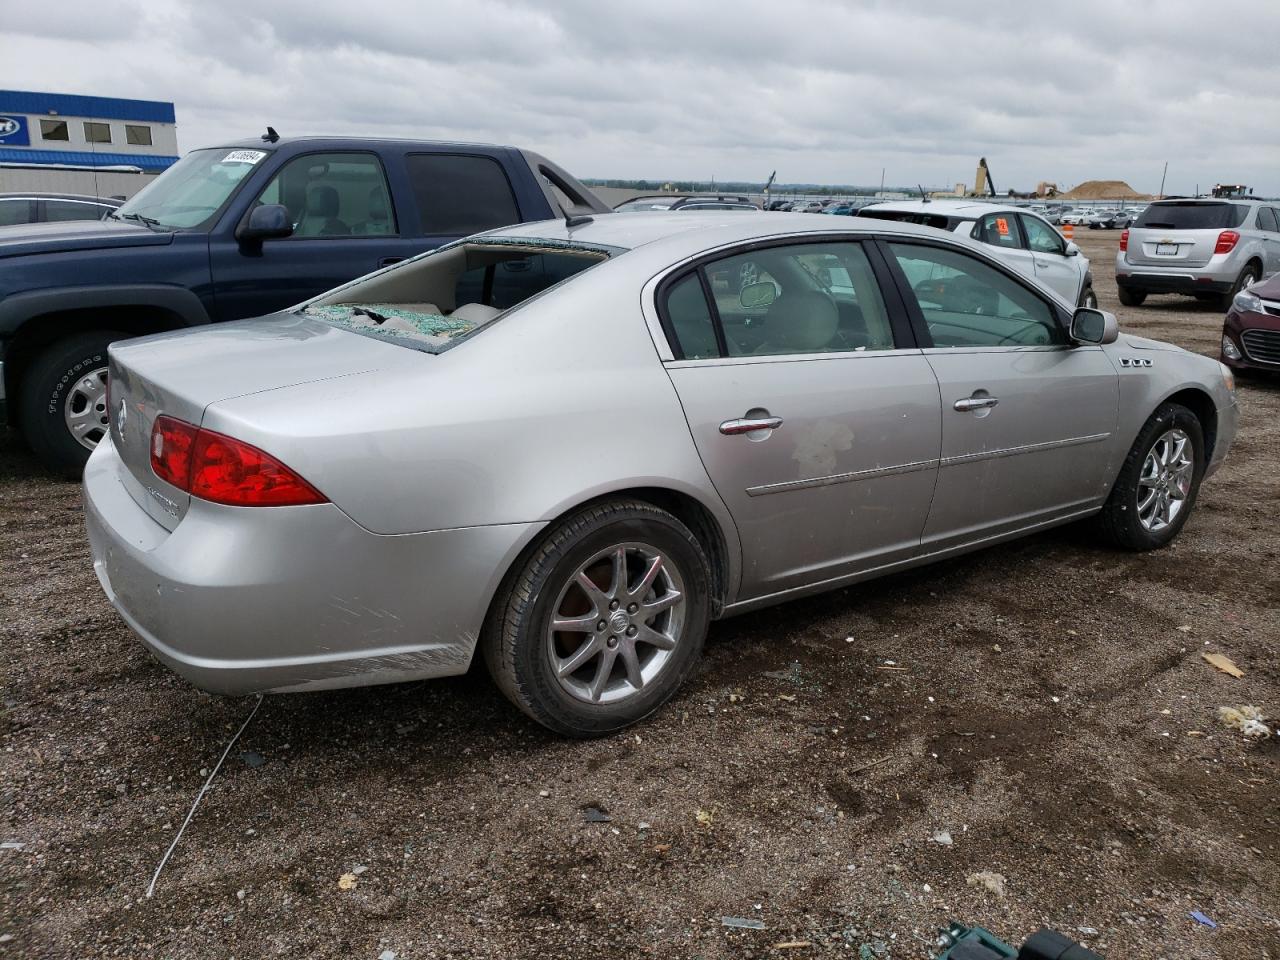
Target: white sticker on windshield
(243, 156)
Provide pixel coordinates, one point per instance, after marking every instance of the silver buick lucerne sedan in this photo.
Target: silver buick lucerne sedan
(571, 445)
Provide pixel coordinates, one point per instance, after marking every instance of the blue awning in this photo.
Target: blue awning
(83, 158)
(72, 105)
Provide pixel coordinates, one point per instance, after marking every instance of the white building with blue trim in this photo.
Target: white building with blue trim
(80, 144)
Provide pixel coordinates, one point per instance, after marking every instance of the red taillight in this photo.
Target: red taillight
(219, 468)
(1227, 241)
(171, 443)
(1124, 239)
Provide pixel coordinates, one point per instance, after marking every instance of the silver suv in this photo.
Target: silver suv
(1210, 249)
(1017, 235)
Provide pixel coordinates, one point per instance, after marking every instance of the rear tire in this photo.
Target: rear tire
(530, 662)
(64, 384)
(1131, 520)
(1248, 276)
(1130, 297)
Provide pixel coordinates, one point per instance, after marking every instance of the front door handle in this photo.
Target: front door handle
(966, 404)
(731, 428)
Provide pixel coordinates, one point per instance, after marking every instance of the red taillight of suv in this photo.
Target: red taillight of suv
(224, 470)
(1227, 241)
(1124, 240)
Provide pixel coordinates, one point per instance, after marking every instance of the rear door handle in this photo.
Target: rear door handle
(975, 403)
(731, 428)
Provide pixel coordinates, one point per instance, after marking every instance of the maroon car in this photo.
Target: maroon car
(1251, 332)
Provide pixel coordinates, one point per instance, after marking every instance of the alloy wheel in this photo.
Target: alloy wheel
(85, 409)
(615, 623)
(1165, 481)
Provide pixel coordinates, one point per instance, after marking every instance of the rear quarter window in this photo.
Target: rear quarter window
(1193, 216)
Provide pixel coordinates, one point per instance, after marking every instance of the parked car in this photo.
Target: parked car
(1251, 330)
(1024, 240)
(807, 206)
(1108, 220)
(684, 202)
(1075, 217)
(22, 208)
(230, 232)
(1210, 249)
(841, 209)
(376, 485)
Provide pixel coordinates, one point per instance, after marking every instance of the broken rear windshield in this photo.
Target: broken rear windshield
(432, 301)
(1192, 216)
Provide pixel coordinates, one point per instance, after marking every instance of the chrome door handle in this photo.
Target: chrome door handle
(731, 428)
(975, 403)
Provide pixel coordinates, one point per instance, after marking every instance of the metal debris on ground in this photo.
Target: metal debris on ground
(743, 923)
(987, 880)
(1203, 920)
(596, 815)
(1225, 664)
(151, 888)
(1248, 720)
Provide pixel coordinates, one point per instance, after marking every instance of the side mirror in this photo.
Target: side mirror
(1072, 249)
(758, 294)
(1094, 326)
(267, 222)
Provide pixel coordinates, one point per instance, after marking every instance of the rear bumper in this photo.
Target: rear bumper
(1137, 279)
(244, 600)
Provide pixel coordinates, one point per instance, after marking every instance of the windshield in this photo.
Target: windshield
(1192, 216)
(190, 192)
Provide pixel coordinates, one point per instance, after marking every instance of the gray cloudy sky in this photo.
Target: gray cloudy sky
(825, 92)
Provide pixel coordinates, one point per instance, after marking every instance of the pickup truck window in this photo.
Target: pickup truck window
(334, 195)
(193, 189)
(457, 195)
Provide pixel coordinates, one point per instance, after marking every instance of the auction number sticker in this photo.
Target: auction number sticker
(1002, 225)
(243, 156)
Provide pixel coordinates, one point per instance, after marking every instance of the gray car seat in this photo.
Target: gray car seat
(379, 222)
(320, 219)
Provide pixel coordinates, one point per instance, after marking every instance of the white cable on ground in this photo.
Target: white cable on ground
(199, 796)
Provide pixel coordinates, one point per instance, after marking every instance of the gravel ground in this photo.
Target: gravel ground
(1049, 709)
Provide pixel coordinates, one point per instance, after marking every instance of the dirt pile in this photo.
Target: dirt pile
(1105, 190)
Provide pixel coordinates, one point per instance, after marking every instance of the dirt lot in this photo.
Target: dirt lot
(1044, 713)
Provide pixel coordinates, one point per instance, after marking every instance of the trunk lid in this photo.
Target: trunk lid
(180, 374)
(1181, 233)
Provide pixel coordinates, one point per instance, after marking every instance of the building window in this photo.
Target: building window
(54, 130)
(97, 132)
(139, 136)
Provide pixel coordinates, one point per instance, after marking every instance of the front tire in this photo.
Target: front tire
(1130, 297)
(1158, 482)
(603, 621)
(1088, 298)
(64, 412)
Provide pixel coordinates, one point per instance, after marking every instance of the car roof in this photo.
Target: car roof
(967, 209)
(688, 234)
(257, 143)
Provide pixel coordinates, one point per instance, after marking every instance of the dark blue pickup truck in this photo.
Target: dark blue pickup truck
(231, 232)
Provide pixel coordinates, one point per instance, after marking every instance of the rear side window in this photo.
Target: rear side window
(14, 211)
(1193, 216)
(59, 210)
(457, 195)
(690, 320)
(1267, 219)
(999, 230)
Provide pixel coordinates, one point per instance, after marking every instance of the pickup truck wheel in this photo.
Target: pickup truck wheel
(1130, 297)
(64, 401)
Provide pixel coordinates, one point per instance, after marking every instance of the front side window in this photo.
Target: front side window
(54, 130)
(799, 299)
(95, 132)
(15, 211)
(458, 195)
(194, 189)
(60, 210)
(999, 230)
(137, 135)
(333, 195)
(1042, 238)
(966, 303)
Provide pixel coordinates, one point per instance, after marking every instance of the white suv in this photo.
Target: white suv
(1020, 237)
